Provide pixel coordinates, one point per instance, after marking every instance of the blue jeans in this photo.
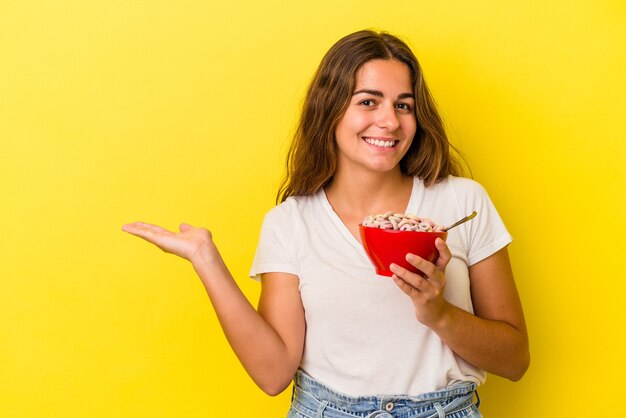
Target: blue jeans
(313, 400)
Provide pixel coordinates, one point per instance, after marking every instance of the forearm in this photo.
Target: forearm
(269, 356)
(258, 346)
(495, 346)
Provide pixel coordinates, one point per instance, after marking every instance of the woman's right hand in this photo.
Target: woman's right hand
(188, 243)
(268, 342)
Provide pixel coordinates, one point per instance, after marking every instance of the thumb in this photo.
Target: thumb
(444, 254)
(185, 227)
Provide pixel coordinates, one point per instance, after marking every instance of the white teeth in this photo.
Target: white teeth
(380, 143)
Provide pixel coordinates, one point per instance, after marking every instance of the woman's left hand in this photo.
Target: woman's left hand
(425, 292)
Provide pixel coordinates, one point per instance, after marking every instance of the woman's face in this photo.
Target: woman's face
(379, 124)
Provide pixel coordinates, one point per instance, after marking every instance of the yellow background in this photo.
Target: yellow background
(115, 111)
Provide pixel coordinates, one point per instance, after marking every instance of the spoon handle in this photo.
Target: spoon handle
(462, 221)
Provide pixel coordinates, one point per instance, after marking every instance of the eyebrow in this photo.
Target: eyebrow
(379, 93)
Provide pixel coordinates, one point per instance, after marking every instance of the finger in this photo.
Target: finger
(157, 229)
(132, 227)
(422, 265)
(412, 279)
(146, 231)
(139, 225)
(140, 231)
(404, 286)
(444, 254)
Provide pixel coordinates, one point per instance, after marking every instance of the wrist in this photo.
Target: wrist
(209, 265)
(442, 321)
(206, 255)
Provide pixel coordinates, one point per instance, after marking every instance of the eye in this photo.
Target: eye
(367, 102)
(404, 106)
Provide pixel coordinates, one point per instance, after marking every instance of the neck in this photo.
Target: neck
(369, 192)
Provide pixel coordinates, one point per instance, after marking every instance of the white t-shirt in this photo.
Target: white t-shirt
(362, 337)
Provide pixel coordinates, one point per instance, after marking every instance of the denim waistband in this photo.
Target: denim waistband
(312, 398)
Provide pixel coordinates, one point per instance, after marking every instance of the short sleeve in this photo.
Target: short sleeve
(275, 251)
(486, 233)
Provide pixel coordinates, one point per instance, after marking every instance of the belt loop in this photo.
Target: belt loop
(320, 411)
(477, 398)
(440, 411)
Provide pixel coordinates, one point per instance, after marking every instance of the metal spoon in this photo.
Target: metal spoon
(459, 222)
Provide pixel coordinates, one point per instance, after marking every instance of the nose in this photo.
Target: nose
(387, 118)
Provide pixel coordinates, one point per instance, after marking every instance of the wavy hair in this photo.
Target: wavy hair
(312, 156)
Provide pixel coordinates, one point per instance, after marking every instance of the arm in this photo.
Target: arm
(495, 338)
(268, 342)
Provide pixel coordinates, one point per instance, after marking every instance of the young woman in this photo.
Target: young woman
(354, 343)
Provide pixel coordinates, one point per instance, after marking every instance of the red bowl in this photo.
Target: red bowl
(386, 246)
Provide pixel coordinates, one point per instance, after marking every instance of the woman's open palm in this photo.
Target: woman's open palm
(186, 243)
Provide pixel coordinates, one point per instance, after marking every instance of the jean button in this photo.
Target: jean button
(389, 406)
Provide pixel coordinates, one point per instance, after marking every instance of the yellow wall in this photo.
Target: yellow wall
(114, 111)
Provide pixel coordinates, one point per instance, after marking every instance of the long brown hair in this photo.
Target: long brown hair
(312, 157)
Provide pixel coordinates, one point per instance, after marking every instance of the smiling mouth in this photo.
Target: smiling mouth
(383, 143)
